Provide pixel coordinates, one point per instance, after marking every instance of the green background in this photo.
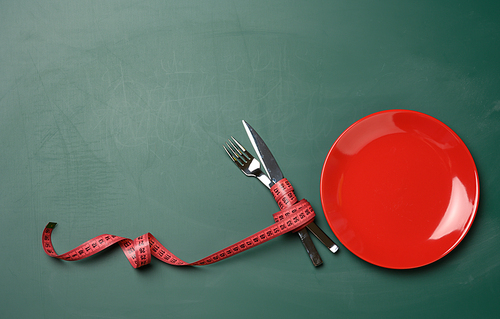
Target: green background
(112, 119)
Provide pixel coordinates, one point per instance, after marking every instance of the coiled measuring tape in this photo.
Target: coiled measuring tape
(294, 216)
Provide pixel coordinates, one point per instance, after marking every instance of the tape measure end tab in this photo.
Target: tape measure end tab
(51, 225)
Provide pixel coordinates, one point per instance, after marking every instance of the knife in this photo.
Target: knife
(273, 171)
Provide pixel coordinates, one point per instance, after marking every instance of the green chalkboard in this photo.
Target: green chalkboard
(112, 119)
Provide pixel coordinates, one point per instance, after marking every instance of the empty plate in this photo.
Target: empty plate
(399, 189)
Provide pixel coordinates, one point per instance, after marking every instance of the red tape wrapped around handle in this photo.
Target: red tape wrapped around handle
(139, 250)
(285, 197)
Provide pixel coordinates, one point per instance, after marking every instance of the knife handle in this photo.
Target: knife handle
(323, 238)
(285, 197)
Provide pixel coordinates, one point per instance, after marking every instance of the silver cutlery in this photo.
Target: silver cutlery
(275, 174)
(250, 166)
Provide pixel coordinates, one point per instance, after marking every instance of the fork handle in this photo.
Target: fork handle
(264, 180)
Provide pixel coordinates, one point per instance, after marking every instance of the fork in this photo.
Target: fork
(245, 161)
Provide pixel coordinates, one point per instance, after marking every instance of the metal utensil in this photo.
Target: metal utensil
(250, 166)
(274, 172)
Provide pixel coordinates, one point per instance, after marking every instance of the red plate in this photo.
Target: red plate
(399, 189)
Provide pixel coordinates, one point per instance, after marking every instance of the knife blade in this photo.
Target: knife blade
(274, 173)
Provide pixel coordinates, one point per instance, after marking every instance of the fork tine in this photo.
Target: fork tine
(239, 145)
(243, 153)
(230, 156)
(235, 154)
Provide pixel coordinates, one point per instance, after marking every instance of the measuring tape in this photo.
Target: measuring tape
(294, 216)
